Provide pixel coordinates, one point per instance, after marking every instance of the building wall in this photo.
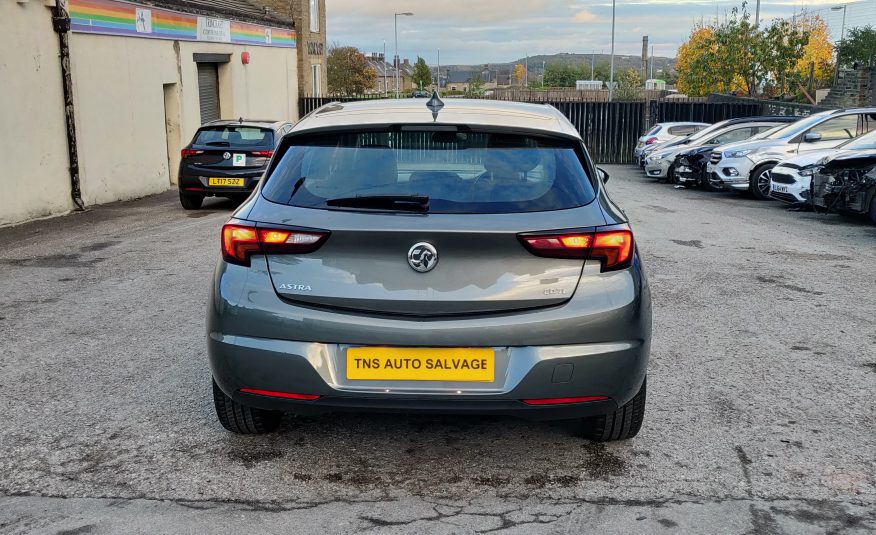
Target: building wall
(35, 180)
(312, 46)
(121, 85)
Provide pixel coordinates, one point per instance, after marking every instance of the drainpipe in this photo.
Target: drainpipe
(61, 25)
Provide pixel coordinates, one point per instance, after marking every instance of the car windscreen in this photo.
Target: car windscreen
(459, 172)
(235, 136)
(865, 142)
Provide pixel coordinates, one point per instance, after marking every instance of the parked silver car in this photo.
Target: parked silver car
(661, 133)
(451, 258)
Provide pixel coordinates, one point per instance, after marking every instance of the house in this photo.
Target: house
(102, 112)
(386, 72)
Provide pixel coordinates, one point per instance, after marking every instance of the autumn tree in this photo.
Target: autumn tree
(818, 51)
(348, 71)
(696, 62)
(422, 73)
(858, 46)
(520, 73)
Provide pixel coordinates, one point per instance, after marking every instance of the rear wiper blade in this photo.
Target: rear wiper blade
(414, 203)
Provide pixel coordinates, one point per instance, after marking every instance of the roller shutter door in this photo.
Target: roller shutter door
(208, 91)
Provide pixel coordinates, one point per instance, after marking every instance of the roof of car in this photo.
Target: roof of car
(266, 123)
(474, 112)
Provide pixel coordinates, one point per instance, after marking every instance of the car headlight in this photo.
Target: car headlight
(809, 171)
(738, 153)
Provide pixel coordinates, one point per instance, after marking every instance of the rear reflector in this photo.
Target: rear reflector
(614, 248)
(284, 395)
(239, 242)
(563, 401)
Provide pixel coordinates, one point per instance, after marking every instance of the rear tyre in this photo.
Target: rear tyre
(621, 424)
(190, 201)
(241, 419)
(759, 183)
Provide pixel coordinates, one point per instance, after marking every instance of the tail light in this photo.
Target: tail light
(263, 153)
(185, 153)
(650, 140)
(614, 248)
(239, 242)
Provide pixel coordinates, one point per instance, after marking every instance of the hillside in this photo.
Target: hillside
(535, 62)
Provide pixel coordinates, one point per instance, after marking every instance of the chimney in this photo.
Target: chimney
(644, 57)
(407, 62)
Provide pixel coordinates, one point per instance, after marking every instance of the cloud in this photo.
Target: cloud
(585, 16)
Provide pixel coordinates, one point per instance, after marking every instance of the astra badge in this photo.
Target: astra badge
(423, 257)
(296, 287)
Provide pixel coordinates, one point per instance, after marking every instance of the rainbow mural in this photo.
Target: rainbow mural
(122, 18)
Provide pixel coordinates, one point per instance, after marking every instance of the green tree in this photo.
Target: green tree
(556, 75)
(348, 71)
(476, 85)
(422, 73)
(629, 85)
(859, 46)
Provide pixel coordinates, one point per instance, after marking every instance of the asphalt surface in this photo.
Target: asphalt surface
(760, 415)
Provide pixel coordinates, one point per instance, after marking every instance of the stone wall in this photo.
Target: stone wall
(853, 88)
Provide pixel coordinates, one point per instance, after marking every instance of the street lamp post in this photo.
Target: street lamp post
(396, 62)
(842, 36)
(611, 69)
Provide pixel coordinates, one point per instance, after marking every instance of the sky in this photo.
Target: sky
(498, 31)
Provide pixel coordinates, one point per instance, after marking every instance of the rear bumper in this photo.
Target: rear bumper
(596, 344)
(199, 183)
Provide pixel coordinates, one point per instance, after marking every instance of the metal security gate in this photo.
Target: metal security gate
(208, 91)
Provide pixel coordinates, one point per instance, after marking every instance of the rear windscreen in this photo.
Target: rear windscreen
(236, 136)
(460, 172)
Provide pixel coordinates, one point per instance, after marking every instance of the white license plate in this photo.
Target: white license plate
(779, 189)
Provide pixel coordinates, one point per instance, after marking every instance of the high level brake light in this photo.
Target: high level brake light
(239, 242)
(614, 248)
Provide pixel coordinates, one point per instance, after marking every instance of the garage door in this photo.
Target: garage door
(208, 91)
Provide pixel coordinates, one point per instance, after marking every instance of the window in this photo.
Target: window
(732, 136)
(315, 72)
(684, 130)
(314, 15)
(839, 128)
(460, 172)
(237, 136)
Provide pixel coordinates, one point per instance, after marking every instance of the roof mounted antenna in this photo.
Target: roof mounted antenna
(241, 120)
(435, 104)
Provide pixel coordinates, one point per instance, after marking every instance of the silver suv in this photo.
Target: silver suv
(747, 166)
(461, 258)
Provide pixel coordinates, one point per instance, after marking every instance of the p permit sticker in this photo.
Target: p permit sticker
(239, 160)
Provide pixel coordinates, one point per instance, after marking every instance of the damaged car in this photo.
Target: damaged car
(846, 184)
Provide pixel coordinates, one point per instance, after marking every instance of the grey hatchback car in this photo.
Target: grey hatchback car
(413, 257)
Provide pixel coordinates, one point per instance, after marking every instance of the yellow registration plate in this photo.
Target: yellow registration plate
(214, 181)
(421, 364)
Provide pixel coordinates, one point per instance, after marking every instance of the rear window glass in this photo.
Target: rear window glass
(235, 136)
(684, 130)
(460, 172)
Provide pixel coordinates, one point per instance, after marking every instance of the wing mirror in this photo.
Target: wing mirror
(602, 174)
(811, 137)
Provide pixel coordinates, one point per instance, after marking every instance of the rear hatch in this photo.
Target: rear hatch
(464, 198)
(231, 150)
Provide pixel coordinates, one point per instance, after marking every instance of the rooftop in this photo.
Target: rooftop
(240, 10)
(473, 112)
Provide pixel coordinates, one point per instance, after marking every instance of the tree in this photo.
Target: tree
(559, 75)
(629, 85)
(818, 51)
(520, 73)
(859, 46)
(422, 73)
(348, 71)
(695, 62)
(476, 85)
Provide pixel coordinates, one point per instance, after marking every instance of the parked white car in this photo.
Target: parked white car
(746, 166)
(663, 132)
(791, 179)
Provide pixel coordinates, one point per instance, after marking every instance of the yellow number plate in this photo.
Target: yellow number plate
(420, 364)
(239, 182)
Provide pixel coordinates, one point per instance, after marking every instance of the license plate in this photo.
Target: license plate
(421, 364)
(214, 181)
(780, 189)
